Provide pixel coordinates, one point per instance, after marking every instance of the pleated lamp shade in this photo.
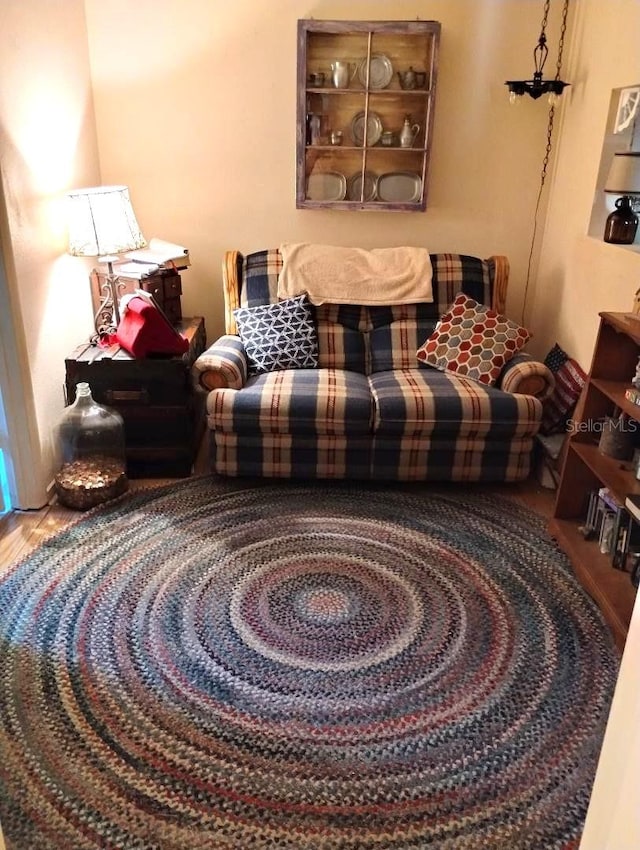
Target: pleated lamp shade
(102, 222)
(624, 174)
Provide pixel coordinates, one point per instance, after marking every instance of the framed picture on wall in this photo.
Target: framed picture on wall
(627, 108)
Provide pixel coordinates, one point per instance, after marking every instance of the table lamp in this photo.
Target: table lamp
(102, 224)
(624, 180)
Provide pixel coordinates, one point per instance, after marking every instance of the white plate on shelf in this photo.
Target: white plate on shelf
(374, 128)
(354, 186)
(326, 186)
(380, 71)
(399, 187)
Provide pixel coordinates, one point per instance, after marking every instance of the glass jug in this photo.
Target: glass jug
(91, 448)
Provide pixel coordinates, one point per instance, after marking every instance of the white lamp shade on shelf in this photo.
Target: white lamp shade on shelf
(102, 222)
(624, 174)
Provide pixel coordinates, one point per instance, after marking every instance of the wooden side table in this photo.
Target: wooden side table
(163, 416)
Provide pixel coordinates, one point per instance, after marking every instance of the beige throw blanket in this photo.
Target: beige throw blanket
(330, 274)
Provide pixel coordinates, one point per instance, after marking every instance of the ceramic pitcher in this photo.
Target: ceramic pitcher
(408, 133)
(341, 73)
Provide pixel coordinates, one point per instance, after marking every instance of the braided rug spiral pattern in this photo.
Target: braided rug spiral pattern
(315, 667)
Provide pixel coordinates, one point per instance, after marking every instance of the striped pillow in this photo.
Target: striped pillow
(570, 380)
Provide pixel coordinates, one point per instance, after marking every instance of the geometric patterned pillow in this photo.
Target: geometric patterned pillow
(473, 341)
(278, 336)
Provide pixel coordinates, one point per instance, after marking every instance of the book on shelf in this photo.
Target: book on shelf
(162, 254)
(609, 499)
(596, 513)
(138, 271)
(609, 523)
(593, 524)
(632, 504)
(620, 539)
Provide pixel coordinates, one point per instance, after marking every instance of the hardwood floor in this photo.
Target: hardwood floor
(23, 531)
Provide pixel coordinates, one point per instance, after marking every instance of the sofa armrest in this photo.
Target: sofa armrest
(223, 364)
(526, 376)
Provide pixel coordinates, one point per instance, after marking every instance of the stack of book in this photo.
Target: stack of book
(632, 504)
(610, 522)
(159, 254)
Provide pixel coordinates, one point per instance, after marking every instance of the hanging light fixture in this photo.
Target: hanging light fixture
(538, 86)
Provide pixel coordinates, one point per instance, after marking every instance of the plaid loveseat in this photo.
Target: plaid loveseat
(370, 410)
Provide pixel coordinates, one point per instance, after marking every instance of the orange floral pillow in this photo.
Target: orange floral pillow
(472, 341)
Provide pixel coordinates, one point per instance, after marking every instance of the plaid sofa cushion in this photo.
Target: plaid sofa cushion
(342, 341)
(259, 278)
(374, 339)
(383, 458)
(294, 401)
(341, 344)
(423, 458)
(397, 332)
(421, 402)
(292, 455)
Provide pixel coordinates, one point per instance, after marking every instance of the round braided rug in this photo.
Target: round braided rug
(288, 666)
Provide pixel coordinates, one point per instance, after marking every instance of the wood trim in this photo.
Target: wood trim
(19, 438)
(231, 287)
(500, 282)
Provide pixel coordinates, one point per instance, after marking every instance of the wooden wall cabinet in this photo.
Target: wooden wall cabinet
(386, 82)
(585, 468)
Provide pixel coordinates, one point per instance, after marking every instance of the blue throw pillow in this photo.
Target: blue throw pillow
(278, 336)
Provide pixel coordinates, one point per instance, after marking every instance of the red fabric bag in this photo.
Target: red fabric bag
(143, 330)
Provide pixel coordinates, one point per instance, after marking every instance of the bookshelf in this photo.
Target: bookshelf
(585, 468)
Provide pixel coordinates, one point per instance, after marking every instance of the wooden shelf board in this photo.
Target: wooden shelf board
(617, 475)
(615, 390)
(611, 589)
(626, 323)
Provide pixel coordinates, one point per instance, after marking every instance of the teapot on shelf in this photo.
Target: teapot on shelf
(408, 133)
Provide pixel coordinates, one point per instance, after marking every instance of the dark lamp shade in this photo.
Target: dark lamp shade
(624, 174)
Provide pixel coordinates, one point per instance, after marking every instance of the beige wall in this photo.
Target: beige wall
(47, 145)
(580, 275)
(195, 106)
(195, 111)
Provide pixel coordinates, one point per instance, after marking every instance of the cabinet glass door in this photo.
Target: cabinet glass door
(365, 113)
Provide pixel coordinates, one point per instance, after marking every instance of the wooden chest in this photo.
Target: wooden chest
(163, 416)
(165, 286)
